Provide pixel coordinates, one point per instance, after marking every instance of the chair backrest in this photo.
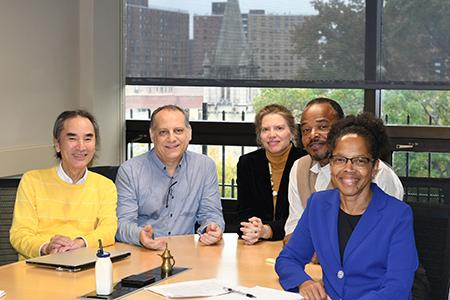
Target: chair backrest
(230, 214)
(430, 201)
(107, 171)
(432, 233)
(8, 190)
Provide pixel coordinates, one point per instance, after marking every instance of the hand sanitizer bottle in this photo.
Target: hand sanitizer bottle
(103, 272)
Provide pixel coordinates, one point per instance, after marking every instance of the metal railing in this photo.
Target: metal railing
(225, 134)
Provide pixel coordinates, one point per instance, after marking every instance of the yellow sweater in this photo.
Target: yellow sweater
(46, 206)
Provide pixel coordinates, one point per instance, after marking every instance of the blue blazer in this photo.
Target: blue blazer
(380, 257)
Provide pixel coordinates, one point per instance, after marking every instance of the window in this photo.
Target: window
(220, 47)
(224, 62)
(422, 164)
(416, 107)
(415, 42)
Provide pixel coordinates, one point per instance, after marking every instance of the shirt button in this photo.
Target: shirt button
(340, 274)
(169, 232)
(171, 215)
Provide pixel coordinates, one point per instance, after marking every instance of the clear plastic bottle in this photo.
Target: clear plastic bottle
(103, 272)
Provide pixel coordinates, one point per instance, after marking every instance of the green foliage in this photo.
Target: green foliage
(293, 99)
(418, 164)
(416, 35)
(231, 156)
(415, 47)
(421, 107)
(296, 99)
(332, 42)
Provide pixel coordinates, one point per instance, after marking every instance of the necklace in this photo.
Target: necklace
(274, 193)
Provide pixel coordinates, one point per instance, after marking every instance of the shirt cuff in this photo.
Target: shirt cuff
(85, 241)
(40, 248)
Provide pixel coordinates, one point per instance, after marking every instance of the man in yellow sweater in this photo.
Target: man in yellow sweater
(65, 207)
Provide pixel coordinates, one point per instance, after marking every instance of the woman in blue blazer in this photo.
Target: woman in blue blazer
(363, 237)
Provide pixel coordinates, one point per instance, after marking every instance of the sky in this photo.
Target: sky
(203, 7)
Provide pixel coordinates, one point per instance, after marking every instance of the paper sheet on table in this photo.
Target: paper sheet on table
(261, 293)
(2, 293)
(215, 290)
(187, 289)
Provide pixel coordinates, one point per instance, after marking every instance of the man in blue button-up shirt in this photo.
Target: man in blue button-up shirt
(167, 190)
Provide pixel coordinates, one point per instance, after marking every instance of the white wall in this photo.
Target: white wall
(57, 55)
(101, 83)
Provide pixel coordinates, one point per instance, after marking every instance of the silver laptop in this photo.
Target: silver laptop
(75, 260)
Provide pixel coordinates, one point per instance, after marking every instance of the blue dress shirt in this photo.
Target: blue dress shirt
(171, 204)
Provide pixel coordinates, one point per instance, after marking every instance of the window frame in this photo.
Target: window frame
(422, 138)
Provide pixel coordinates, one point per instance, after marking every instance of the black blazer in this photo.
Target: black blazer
(255, 191)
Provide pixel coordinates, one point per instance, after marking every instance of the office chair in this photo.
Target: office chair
(430, 201)
(107, 171)
(8, 190)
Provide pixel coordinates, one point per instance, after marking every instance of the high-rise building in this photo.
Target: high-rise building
(270, 38)
(266, 48)
(157, 42)
(206, 36)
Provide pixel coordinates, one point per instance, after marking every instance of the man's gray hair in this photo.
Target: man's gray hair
(171, 107)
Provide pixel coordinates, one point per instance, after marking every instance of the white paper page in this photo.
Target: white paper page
(185, 289)
(2, 293)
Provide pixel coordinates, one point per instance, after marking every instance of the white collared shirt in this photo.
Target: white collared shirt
(323, 176)
(63, 175)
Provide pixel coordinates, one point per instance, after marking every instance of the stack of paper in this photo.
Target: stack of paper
(190, 289)
(217, 290)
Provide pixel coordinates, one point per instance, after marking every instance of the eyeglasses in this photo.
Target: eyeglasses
(358, 161)
(170, 192)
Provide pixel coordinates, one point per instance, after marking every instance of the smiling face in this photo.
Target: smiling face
(315, 124)
(275, 133)
(76, 144)
(170, 136)
(353, 179)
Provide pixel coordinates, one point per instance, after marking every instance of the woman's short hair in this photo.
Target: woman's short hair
(365, 125)
(275, 109)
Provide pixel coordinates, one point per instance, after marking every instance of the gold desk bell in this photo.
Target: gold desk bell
(167, 262)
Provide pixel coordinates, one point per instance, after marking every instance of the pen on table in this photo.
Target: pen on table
(230, 290)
